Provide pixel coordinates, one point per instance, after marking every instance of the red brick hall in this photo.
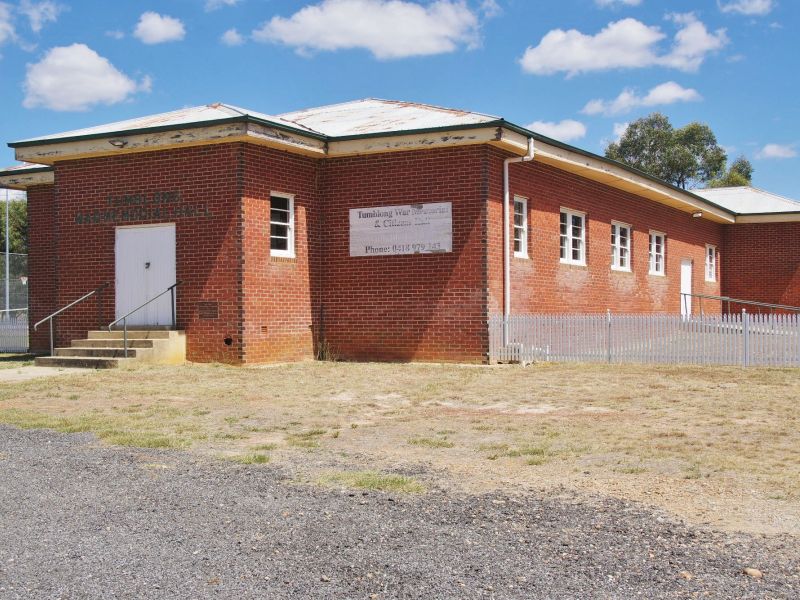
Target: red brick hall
(374, 228)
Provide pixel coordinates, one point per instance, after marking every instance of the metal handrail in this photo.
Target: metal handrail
(68, 306)
(730, 301)
(124, 318)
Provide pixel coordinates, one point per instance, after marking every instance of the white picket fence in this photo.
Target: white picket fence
(739, 339)
(14, 330)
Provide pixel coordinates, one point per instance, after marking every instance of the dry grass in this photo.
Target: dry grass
(716, 445)
(372, 480)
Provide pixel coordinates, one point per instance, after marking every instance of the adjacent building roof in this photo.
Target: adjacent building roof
(748, 200)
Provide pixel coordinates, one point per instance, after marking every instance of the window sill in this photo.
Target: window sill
(522, 256)
(282, 259)
(621, 270)
(572, 264)
(654, 274)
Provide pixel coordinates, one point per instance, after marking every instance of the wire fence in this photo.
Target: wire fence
(17, 281)
(730, 339)
(14, 330)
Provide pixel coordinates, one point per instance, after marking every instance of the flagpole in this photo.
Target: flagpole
(8, 270)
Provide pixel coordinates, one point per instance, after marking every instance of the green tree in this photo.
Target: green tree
(686, 157)
(739, 174)
(18, 217)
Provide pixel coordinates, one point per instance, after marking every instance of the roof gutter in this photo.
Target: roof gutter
(507, 235)
(160, 128)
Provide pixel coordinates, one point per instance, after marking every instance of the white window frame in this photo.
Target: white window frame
(616, 247)
(289, 252)
(522, 229)
(654, 270)
(711, 263)
(568, 260)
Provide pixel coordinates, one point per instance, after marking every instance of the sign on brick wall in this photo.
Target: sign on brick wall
(403, 229)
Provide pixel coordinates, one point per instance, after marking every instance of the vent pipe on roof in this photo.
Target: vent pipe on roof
(507, 237)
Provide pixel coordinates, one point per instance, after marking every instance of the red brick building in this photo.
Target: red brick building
(373, 228)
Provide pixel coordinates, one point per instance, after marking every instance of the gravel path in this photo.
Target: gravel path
(79, 520)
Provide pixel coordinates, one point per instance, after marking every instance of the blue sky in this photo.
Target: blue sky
(578, 70)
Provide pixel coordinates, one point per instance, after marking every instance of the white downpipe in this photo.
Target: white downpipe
(507, 237)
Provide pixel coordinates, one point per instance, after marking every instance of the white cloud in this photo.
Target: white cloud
(620, 129)
(566, 130)
(154, 28)
(777, 151)
(491, 9)
(232, 38)
(624, 44)
(215, 4)
(389, 29)
(617, 3)
(115, 34)
(693, 43)
(7, 30)
(73, 78)
(666, 93)
(747, 7)
(39, 13)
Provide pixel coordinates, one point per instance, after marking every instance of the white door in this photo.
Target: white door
(686, 287)
(145, 267)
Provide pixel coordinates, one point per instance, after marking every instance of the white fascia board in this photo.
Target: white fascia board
(414, 141)
(23, 181)
(769, 218)
(49, 153)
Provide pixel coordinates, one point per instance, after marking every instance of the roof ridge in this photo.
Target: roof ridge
(394, 102)
(435, 106)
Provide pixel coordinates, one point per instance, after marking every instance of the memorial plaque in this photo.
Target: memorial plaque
(401, 229)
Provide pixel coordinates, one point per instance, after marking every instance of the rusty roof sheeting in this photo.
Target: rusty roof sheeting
(195, 115)
(374, 116)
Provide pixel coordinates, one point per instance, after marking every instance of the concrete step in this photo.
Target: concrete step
(79, 362)
(104, 352)
(134, 334)
(105, 349)
(112, 343)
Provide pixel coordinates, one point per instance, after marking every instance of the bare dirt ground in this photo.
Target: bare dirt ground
(718, 447)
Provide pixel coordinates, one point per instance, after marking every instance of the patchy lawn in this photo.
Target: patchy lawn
(717, 446)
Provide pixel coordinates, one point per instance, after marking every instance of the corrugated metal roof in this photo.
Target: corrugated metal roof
(374, 116)
(361, 117)
(194, 115)
(749, 200)
(24, 166)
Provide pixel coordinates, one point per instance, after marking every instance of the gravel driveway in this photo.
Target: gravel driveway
(79, 520)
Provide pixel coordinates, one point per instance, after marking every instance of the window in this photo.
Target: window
(520, 227)
(657, 253)
(620, 246)
(281, 225)
(711, 262)
(573, 237)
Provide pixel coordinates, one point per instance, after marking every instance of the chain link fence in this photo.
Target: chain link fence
(14, 313)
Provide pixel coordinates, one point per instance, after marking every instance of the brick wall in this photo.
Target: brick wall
(542, 283)
(208, 237)
(277, 298)
(41, 264)
(762, 263)
(413, 307)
